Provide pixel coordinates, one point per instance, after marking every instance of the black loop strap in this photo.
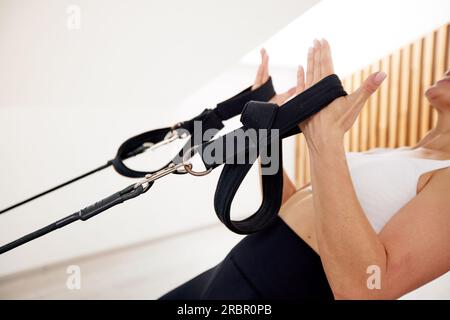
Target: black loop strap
(230, 180)
(285, 119)
(209, 118)
(133, 146)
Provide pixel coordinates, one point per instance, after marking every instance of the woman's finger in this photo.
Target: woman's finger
(300, 80)
(326, 59)
(369, 86)
(317, 53)
(259, 74)
(265, 63)
(309, 68)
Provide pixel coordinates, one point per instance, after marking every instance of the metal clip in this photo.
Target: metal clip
(172, 167)
(159, 174)
(170, 136)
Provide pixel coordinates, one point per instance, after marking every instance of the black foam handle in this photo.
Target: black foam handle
(110, 201)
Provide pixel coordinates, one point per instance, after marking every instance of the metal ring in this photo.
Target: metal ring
(188, 165)
(188, 168)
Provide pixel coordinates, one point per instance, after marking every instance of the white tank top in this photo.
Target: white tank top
(385, 181)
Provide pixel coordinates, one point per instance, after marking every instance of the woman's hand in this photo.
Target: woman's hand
(338, 117)
(263, 75)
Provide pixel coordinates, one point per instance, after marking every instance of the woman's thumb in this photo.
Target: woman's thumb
(369, 86)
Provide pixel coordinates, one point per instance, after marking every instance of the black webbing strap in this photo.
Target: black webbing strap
(285, 120)
(257, 116)
(137, 143)
(209, 118)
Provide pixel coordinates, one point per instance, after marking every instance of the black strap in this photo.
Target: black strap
(285, 119)
(209, 118)
(137, 143)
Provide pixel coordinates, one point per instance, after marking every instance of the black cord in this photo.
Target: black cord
(39, 233)
(108, 164)
(129, 192)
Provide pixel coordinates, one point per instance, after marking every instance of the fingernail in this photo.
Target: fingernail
(379, 77)
(323, 41)
(316, 43)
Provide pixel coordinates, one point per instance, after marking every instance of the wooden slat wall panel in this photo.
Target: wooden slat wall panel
(373, 106)
(427, 80)
(404, 95)
(415, 96)
(393, 104)
(398, 114)
(383, 103)
(448, 48)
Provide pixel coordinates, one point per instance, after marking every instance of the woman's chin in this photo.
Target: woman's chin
(438, 96)
(431, 93)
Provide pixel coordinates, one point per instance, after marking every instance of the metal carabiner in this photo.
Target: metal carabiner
(172, 167)
(171, 136)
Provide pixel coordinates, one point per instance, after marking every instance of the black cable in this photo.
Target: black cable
(129, 192)
(108, 164)
(39, 233)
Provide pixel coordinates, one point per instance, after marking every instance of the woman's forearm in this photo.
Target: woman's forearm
(347, 243)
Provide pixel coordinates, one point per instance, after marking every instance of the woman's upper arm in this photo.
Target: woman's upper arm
(417, 238)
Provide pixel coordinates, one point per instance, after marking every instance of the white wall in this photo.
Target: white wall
(68, 98)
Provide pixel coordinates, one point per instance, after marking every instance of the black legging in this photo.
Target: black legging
(272, 264)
